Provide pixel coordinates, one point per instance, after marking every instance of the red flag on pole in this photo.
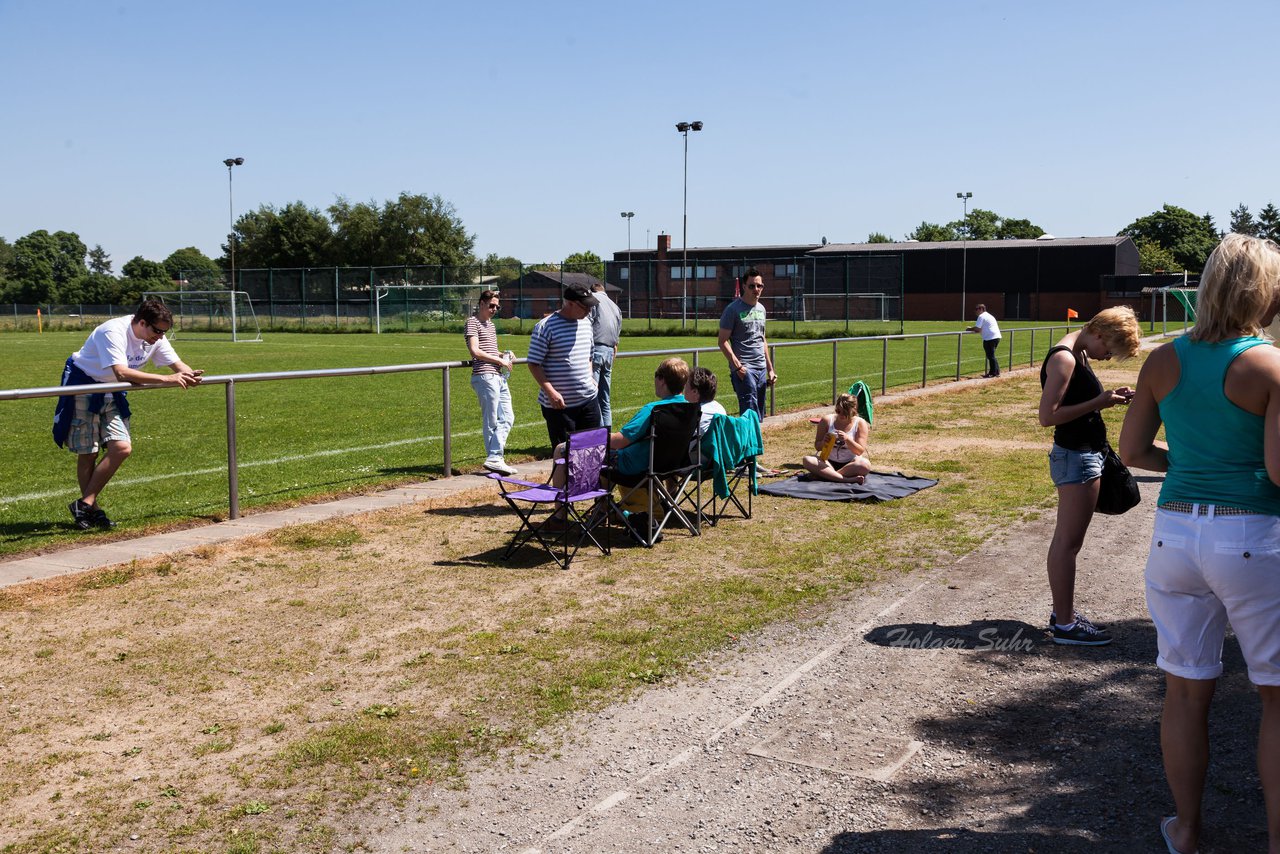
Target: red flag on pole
(1072, 313)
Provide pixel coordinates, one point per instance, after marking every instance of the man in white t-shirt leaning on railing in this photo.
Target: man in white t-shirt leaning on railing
(85, 424)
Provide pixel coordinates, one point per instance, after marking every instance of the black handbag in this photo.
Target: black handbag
(1118, 491)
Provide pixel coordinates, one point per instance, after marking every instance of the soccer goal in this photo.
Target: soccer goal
(211, 315)
(1183, 303)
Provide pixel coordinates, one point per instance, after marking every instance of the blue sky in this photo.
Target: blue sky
(541, 122)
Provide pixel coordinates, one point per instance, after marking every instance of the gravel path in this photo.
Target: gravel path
(929, 714)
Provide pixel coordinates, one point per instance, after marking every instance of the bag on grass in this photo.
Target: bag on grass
(1118, 491)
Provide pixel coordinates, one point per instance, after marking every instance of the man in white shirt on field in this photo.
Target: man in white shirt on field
(990, 330)
(114, 352)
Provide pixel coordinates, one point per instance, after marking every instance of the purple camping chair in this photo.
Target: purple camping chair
(582, 499)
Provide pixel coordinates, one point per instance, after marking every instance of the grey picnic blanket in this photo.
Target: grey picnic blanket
(879, 486)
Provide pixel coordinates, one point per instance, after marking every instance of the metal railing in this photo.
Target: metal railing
(230, 381)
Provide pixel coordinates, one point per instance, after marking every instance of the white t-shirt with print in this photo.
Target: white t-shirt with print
(113, 343)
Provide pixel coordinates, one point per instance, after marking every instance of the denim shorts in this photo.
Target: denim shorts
(1067, 466)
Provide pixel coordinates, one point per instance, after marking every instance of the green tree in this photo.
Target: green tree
(877, 237)
(99, 261)
(506, 268)
(980, 224)
(1187, 237)
(141, 275)
(1018, 229)
(1242, 222)
(1154, 258)
(421, 229)
(585, 262)
(100, 289)
(293, 236)
(929, 232)
(1269, 223)
(197, 268)
(357, 233)
(6, 258)
(47, 267)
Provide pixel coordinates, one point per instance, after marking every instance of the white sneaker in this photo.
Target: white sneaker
(500, 467)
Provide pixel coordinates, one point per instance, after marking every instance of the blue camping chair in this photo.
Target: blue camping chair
(583, 500)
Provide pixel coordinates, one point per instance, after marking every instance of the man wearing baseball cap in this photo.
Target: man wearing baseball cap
(560, 362)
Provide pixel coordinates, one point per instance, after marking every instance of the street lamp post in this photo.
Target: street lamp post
(684, 128)
(627, 215)
(231, 216)
(964, 253)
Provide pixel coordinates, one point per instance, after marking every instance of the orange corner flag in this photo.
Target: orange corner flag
(1071, 312)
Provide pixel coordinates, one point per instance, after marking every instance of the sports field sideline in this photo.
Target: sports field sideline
(323, 437)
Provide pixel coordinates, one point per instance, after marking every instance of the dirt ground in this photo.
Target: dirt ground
(933, 716)
(926, 713)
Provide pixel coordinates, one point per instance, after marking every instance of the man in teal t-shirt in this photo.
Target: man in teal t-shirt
(631, 442)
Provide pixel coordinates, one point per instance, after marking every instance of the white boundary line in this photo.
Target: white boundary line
(675, 761)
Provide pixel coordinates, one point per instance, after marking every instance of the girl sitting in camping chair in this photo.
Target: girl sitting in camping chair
(841, 443)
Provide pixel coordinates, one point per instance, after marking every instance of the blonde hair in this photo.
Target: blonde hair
(674, 373)
(1118, 328)
(1238, 288)
(847, 405)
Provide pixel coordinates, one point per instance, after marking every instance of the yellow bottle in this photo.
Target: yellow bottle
(827, 446)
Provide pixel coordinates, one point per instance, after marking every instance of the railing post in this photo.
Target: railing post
(924, 364)
(448, 432)
(1010, 359)
(233, 466)
(773, 360)
(1031, 360)
(835, 352)
(884, 366)
(959, 344)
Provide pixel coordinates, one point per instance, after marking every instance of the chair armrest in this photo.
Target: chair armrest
(516, 481)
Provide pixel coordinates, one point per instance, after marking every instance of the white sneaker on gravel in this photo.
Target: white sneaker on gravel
(501, 467)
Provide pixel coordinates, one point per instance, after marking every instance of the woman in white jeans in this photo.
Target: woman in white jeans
(1215, 552)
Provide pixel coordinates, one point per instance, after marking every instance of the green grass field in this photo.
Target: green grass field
(315, 437)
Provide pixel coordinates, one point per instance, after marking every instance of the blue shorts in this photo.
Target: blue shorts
(1068, 467)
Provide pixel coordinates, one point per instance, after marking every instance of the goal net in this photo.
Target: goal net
(1177, 307)
(210, 315)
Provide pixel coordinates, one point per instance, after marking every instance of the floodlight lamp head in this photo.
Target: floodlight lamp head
(628, 214)
(964, 195)
(696, 125)
(682, 127)
(233, 161)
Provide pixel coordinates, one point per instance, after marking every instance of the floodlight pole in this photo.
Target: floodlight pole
(964, 253)
(684, 128)
(627, 215)
(231, 218)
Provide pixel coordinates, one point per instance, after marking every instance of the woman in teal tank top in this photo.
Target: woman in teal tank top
(1215, 551)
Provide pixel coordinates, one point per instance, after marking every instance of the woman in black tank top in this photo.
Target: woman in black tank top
(1071, 401)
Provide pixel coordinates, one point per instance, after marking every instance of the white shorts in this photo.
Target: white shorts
(1205, 572)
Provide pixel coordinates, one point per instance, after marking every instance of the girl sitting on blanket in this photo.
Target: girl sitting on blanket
(841, 443)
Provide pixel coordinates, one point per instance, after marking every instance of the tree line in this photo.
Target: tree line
(418, 229)
(1170, 240)
(58, 267)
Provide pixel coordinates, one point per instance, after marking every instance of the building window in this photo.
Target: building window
(625, 274)
(707, 272)
(784, 271)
